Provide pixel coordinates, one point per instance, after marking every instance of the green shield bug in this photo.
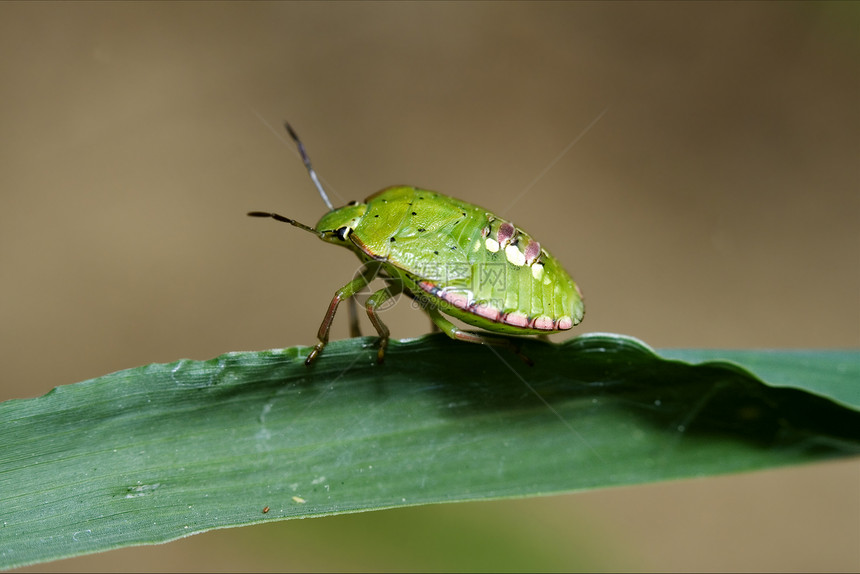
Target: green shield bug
(452, 257)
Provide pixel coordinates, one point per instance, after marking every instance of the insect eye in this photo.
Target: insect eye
(342, 233)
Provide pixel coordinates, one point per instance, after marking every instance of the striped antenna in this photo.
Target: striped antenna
(308, 165)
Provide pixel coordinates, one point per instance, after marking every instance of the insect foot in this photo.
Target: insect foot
(515, 349)
(523, 356)
(315, 352)
(380, 353)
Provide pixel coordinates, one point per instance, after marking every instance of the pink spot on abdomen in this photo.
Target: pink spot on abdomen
(545, 323)
(532, 251)
(486, 311)
(428, 287)
(459, 300)
(506, 233)
(517, 319)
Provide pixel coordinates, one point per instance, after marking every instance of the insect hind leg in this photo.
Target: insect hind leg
(354, 327)
(459, 334)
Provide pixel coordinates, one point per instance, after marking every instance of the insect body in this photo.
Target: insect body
(453, 257)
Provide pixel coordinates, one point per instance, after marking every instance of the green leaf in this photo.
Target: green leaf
(158, 452)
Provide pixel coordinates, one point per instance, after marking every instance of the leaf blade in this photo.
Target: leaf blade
(159, 452)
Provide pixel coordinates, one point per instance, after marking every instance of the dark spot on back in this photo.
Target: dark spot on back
(391, 239)
(421, 230)
(413, 213)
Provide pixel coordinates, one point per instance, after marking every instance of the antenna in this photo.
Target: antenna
(308, 165)
(281, 218)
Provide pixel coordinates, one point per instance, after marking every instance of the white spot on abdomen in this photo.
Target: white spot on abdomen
(515, 256)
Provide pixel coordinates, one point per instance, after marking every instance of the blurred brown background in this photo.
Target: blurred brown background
(714, 204)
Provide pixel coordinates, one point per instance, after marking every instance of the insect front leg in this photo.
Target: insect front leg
(374, 301)
(456, 333)
(345, 292)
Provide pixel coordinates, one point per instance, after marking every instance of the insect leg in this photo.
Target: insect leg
(374, 301)
(455, 332)
(344, 292)
(354, 327)
(370, 270)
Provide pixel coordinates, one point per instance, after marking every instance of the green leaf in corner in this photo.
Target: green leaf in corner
(158, 452)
